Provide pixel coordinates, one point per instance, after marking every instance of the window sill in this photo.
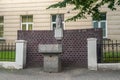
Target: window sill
(106, 39)
(2, 39)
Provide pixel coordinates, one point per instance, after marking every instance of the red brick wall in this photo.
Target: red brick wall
(74, 45)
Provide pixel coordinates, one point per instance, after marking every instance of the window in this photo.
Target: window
(27, 22)
(102, 23)
(53, 20)
(1, 26)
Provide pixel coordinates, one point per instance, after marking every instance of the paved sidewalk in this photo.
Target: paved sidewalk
(66, 74)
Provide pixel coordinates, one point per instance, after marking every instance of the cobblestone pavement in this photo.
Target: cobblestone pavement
(66, 74)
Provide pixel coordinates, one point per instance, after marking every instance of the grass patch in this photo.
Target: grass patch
(110, 57)
(7, 55)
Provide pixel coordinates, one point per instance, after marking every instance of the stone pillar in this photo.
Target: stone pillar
(92, 53)
(58, 34)
(20, 53)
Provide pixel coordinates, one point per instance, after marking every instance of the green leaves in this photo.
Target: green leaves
(90, 7)
(118, 2)
(60, 4)
(112, 5)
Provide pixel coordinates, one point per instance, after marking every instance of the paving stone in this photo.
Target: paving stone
(66, 74)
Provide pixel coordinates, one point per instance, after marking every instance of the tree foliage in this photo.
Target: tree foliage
(90, 7)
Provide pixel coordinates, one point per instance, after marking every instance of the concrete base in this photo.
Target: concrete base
(52, 63)
(10, 65)
(109, 66)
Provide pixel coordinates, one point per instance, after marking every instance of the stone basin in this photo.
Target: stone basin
(50, 48)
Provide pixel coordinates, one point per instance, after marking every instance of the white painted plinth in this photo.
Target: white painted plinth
(92, 53)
